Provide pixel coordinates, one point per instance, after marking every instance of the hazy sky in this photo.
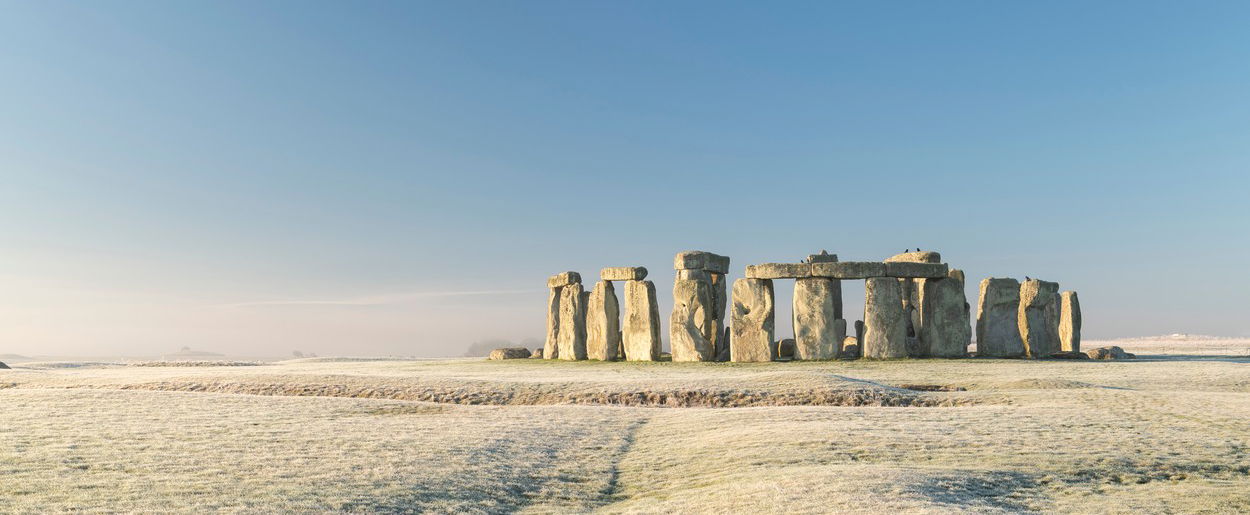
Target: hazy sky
(377, 177)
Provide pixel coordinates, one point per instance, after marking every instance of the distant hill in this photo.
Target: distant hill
(188, 353)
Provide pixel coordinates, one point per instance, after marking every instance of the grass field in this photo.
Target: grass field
(1166, 433)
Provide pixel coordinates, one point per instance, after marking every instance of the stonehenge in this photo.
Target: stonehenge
(914, 307)
(1069, 322)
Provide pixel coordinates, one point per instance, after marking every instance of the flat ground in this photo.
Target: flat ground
(1166, 433)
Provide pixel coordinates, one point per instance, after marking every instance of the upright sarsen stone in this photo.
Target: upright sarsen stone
(1069, 322)
(551, 346)
(1038, 318)
(998, 327)
(720, 300)
(572, 337)
(751, 320)
(885, 329)
(641, 336)
(946, 330)
(603, 323)
(815, 329)
(690, 325)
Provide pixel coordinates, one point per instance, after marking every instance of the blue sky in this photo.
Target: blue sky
(401, 177)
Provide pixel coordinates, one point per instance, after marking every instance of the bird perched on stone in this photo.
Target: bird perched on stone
(1027, 278)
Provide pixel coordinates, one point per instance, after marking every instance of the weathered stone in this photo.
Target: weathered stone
(850, 348)
(694, 275)
(3, 366)
(1038, 318)
(690, 260)
(623, 273)
(1069, 322)
(815, 334)
(724, 344)
(786, 349)
(926, 256)
(839, 334)
(1112, 352)
(537, 354)
(701, 260)
(720, 301)
(717, 264)
(946, 329)
(1069, 355)
(572, 333)
(691, 322)
(551, 348)
(641, 336)
(823, 257)
(779, 271)
(752, 320)
(885, 330)
(998, 328)
(603, 323)
(564, 279)
(916, 270)
(848, 269)
(859, 331)
(510, 353)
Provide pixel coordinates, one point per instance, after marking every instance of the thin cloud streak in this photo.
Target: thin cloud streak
(375, 300)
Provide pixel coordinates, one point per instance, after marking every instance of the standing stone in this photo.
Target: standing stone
(1038, 318)
(885, 329)
(752, 320)
(720, 298)
(826, 257)
(603, 323)
(859, 332)
(641, 337)
(572, 335)
(839, 336)
(815, 334)
(551, 347)
(946, 330)
(691, 321)
(998, 327)
(1069, 322)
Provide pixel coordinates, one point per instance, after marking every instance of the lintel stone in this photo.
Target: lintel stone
(779, 271)
(623, 273)
(849, 269)
(564, 279)
(916, 270)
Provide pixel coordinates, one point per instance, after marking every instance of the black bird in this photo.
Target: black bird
(1027, 278)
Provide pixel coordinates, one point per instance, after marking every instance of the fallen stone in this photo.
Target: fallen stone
(603, 323)
(823, 257)
(1069, 321)
(537, 354)
(779, 271)
(3, 366)
(751, 321)
(885, 330)
(510, 353)
(623, 273)
(850, 348)
(947, 331)
(926, 256)
(786, 349)
(998, 328)
(916, 270)
(691, 321)
(1069, 355)
(572, 333)
(1037, 318)
(641, 334)
(848, 269)
(1112, 352)
(564, 279)
(551, 348)
(815, 331)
